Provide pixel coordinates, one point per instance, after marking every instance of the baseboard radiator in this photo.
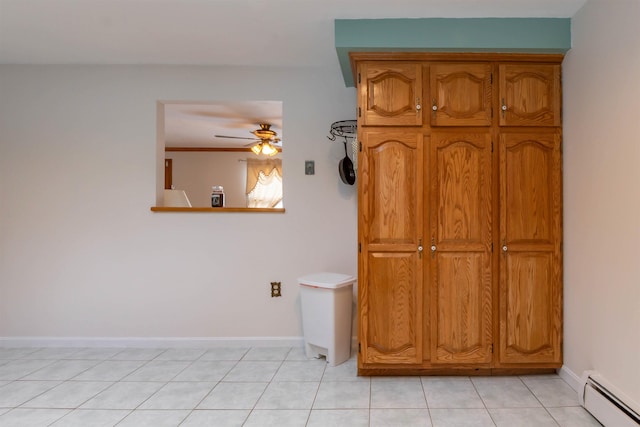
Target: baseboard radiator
(606, 403)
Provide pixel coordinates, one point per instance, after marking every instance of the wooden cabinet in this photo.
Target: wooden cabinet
(460, 94)
(529, 95)
(460, 248)
(391, 222)
(530, 260)
(390, 94)
(459, 222)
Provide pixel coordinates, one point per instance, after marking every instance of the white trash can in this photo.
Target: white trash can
(326, 300)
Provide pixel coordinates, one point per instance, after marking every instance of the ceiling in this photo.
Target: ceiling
(216, 32)
(197, 124)
(261, 33)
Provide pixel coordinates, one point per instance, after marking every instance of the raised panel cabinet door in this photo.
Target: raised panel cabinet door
(530, 95)
(530, 259)
(460, 248)
(390, 94)
(390, 266)
(460, 94)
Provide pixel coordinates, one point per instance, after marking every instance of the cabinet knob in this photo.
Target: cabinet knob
(435, 107)
(504, 248)
(433, 248)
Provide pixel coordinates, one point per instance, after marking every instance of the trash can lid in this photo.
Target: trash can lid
(327, 280)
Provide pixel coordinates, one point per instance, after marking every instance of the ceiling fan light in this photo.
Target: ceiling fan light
(257, 148)
(269, 150)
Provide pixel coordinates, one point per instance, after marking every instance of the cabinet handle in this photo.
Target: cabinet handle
(418, 106)
(434, 105)
(504, 107)
(420, 248)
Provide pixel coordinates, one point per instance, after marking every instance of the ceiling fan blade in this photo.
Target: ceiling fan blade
(235, 137)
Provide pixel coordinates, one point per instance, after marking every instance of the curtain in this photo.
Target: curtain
(264, 183)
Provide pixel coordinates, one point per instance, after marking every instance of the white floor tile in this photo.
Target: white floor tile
(123, 395)
(181, 354)
(522, 417)
(67, 395)
(394, 394)
(395, 379)
(573, 417)
(16, 352)
(138, 354)
(553, 392)
(91, 417)
(504, 392)
(399, 418)
(53, 353)
(31, 417)
(217, 418)
(178, 395)
(267, 353)
(277, 418)
(18, 392)
(61, 370)
(109, 370)
(260, 386)
(16, 369)
(94, 353)
(293, 370)
(342, 395)
(225, 353)
(154, 418)
(242, 395)
(339, 418)
(451, 393)
(298, 353)
(461, 418)
(157, 370)
(288, 395)
(252, 371)
(211, 371)
(347, 371)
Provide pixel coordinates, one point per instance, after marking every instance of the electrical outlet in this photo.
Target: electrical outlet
(276, 289)
(309, 167)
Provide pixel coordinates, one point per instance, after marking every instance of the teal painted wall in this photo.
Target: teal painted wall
(508, 35)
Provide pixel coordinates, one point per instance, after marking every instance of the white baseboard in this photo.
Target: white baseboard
(570, 377)
(143, 342)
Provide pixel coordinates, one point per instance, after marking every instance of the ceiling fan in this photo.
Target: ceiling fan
(265, 141)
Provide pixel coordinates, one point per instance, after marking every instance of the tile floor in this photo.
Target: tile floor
(259, 387)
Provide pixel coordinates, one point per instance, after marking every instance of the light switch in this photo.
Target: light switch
(309, 167)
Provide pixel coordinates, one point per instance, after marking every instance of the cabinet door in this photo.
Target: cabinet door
(530, 260)
(460, 248)
(529, 95)
(460, 94)
(390, 94)
(390, 268)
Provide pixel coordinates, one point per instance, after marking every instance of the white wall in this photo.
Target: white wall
(602, 193)
(82, 255)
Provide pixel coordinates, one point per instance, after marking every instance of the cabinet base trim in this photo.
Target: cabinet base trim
(405, 371)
